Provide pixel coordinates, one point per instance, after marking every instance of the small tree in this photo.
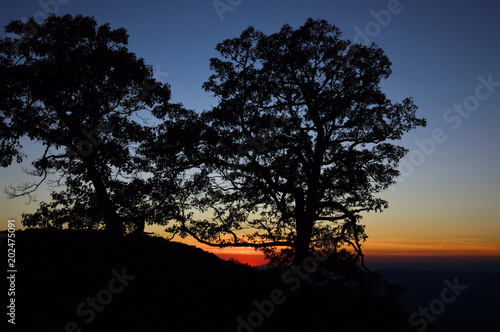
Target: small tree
(76, 89)
(301, 141)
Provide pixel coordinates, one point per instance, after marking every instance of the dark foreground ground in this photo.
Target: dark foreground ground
(76, 281)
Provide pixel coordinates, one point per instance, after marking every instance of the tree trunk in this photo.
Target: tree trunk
(112, 221)
(304, 232)
(140, 224)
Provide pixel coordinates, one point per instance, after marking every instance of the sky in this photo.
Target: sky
(445, 54)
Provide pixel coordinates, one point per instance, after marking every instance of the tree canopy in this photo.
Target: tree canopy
(300, 143)
(75, 88)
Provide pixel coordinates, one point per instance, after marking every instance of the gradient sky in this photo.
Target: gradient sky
(443, 54)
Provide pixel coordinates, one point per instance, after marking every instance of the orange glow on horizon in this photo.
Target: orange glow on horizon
(446, 247)
(392, 249)
(404, 251)
(243, 255)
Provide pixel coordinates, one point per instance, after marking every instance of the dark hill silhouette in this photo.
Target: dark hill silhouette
(157, 285)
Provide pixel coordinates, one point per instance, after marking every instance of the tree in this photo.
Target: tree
(74, 87)
(300, 143)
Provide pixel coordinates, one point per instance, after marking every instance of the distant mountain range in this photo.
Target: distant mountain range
(469, 301)
(464, 267)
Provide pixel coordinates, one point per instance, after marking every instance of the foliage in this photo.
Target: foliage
(301, 141)
(74, 87)
(300, 144)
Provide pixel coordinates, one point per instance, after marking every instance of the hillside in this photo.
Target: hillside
(70, 280)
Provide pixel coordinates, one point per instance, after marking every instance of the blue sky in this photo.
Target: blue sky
(441, 52)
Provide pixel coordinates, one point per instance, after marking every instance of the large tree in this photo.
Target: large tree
(301, 141)
(75, 88)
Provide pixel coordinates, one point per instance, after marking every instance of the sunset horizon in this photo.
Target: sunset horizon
(444, 251)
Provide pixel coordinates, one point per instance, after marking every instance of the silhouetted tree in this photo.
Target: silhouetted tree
(300, 142)
(138, 202)
(75, 88)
